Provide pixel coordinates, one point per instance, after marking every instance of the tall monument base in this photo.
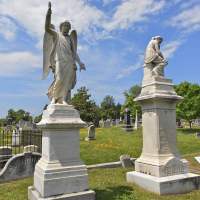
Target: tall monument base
(60, 174)
(160, 168)
(175, 184)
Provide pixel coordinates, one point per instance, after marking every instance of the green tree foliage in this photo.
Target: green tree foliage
(189, 107)
(130, 95)
(14, 116)
(89, 111)
(109, 109)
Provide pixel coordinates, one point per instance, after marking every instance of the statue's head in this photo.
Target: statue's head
(65, 27)
(158, 38)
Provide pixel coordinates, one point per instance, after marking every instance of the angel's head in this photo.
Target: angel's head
(65, 27)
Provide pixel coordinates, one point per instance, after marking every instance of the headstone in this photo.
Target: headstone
(5, 150)
(107, 123)
(30, 148)
(19, 166)
(5, 154)
(160, 168)
(117, 122)
(60, 174)
(126, 161)
(91, 133)
(15, 138)
(101, 123)
(127, 121)
(113, 122)
(198, 134)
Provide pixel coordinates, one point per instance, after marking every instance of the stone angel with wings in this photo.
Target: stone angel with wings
(60, 56)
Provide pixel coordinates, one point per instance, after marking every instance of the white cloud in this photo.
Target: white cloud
(7, 28)
(188, 20)
(170, 48)
(31, 14)
(129, 70)
(133, 11)
(16, 63)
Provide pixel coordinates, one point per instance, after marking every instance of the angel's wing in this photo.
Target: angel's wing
(73, 36)
(48, 45)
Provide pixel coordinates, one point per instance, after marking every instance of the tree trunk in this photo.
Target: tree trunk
(190, 123)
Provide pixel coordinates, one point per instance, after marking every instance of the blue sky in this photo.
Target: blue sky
(113, 35)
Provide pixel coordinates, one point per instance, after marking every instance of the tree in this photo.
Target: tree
(89, 111)
(189, 107)
(14, 116)
(108, 108)
(130, 95)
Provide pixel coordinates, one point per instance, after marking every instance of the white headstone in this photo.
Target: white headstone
(91, 133)
(15, 138)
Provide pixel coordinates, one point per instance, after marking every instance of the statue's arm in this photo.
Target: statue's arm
(48, 27)
(157, 48)
(81, 64)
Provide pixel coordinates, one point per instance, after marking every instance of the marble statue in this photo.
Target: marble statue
(60, 56)
(154, 58)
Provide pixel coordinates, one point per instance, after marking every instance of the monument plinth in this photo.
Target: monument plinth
(160, 168)
(60, 174)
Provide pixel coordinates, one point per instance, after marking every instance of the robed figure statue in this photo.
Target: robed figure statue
(154, 58)
(60, 56)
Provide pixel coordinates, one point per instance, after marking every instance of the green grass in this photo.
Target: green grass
(110, 184)
(110, 143)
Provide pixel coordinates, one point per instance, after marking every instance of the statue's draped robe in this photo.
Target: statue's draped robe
(152, 50)
(65, 67)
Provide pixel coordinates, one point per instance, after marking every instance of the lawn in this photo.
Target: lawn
(110, 184)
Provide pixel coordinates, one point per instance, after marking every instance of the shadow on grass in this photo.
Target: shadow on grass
(188, 130)
(116, 193)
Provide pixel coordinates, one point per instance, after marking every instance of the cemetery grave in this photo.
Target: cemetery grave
(111, 184)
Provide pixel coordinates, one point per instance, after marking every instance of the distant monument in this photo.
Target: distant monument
(160, 168)
(127, 121)
(60, 174)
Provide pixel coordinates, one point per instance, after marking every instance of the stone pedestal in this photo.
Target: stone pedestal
(60, 174)
(160, 168)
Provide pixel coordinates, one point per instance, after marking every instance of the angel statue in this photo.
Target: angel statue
(154, 57)
(60, 56)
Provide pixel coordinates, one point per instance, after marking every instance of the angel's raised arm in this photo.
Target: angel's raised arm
(48, 26)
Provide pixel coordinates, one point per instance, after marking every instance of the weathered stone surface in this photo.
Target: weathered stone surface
(181, 183)
(198, 135)
(30, 148)
(160, 168)
(19, 166)
(5, 150)
(15, 138)
(91, 133)
(126, 161)
(60, 170)
(85, 195)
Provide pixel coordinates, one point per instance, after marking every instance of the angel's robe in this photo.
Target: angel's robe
(65, 67)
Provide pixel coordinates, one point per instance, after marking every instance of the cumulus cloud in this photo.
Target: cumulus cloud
(188, 20)
(130, 12)
(16, 63)
(31, 14)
